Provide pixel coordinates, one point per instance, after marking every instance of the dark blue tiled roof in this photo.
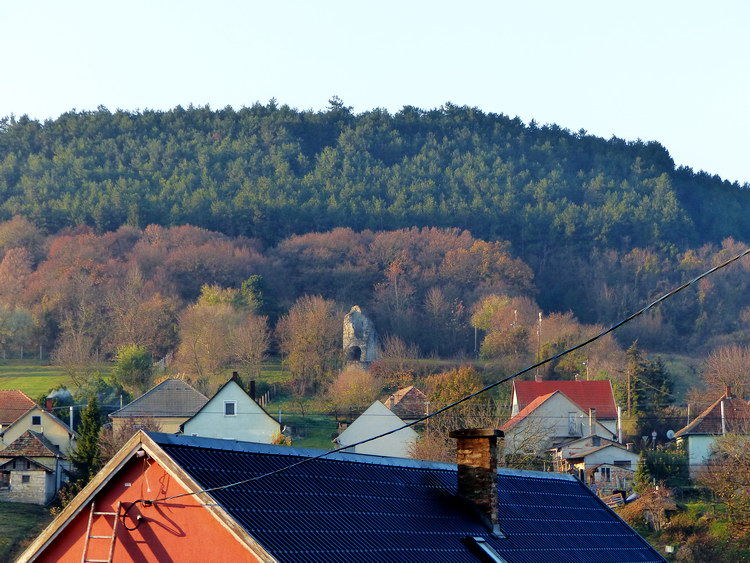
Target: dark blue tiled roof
(366, 508)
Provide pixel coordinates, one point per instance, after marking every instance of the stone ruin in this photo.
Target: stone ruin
(360, 337)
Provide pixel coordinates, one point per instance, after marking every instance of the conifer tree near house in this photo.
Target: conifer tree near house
(86, 457)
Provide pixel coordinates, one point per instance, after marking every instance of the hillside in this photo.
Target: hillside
(272, 171)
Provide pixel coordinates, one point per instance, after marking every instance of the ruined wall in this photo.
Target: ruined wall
(360, 337)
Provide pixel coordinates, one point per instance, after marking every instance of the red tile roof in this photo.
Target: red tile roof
(13, 405)
(531, 407)
(31, 444)
(586, 394)
(736, 418)
(407, 403)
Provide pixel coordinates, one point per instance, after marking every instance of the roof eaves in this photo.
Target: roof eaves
(688, 429)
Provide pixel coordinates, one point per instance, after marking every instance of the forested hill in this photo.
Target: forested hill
(272, 171)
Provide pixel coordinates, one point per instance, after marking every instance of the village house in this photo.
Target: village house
(13, 404)
(605, 468)
(34, 445)
(182, 498)
(234, 415)
(376, 420)
(409, 403)
(728, 414)
(605, 465)
(32, 469)
(586, 394)
(168, 404)
(18, 413)
(548, 421)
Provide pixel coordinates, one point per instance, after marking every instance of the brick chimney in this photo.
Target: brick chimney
(476, 456)
(48, 404)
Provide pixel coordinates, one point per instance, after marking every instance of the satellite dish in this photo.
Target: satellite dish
(670, 434)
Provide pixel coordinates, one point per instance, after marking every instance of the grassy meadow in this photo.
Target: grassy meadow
(30, 376)
(19, 523)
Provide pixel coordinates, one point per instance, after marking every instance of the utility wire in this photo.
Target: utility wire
(471, 395)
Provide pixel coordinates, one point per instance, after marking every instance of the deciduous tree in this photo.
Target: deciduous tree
(310, 336)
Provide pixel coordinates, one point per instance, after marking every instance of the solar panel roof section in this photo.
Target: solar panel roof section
(368, 508)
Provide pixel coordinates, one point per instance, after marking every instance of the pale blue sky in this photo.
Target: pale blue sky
(671, 71)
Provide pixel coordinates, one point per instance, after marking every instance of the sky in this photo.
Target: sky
(675, 72)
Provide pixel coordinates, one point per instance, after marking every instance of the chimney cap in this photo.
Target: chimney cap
(477, 433)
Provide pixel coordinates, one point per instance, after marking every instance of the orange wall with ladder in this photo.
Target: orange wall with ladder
(180, 530)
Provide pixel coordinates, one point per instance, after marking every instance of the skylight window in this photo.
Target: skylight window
(483, 550)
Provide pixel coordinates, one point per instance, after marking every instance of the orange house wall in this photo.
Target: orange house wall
(180, 530)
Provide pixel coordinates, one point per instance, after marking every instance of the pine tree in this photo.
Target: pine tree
(86, 457)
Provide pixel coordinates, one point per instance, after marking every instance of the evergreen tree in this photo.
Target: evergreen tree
(86, 457)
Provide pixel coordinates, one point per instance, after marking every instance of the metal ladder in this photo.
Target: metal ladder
(111, 538)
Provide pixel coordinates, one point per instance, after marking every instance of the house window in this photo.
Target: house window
(25, 478)
(606, 473)
(36, 420)
(230, 408)
(4, 479)
(28, 464)
(571, 424)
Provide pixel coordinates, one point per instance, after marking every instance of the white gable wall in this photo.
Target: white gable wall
(375, 420)
(249, 423)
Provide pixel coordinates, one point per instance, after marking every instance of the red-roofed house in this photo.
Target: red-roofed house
(13, 404)
(18, 413)
(586, 394)
(550, 420)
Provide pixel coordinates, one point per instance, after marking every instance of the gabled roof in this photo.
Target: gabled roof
(736, 418)
(374, 421)
(526, 411)
(604, 447)
(234, 380)
(348, 507)
(586, 394)
(573, 441)
(171, 397)
(13, 405)
(42, 412)
(31, 444)
(408, 402)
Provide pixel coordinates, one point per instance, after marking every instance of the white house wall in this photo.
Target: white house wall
(548, 422)
(699, 450)
(250, 423)
(376, 420)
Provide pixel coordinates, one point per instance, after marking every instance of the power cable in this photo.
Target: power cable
(484, 389)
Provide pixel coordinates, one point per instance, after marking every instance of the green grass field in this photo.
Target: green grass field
(19, 523)
(34, 377)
